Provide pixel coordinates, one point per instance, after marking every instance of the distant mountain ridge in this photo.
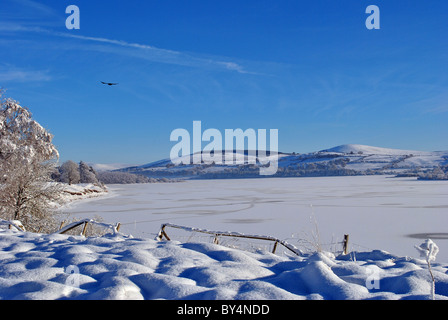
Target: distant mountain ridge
(348, 159)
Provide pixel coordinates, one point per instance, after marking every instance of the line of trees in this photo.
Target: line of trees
(438, 173)
(117, 177)
(72, 173)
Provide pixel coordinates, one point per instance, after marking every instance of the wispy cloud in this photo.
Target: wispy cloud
(143, 51)
(31, 16)
(161, 55)
(36, 6)
(110, 41)
(29, 13)
(14, 74)
(435, 104)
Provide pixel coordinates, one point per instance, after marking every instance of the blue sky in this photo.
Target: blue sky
(310, 69)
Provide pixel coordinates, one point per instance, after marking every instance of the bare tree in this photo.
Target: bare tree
(27, 159)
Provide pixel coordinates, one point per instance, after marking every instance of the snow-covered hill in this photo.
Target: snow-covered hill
(350, 159)
(363, 149)
(38, 266)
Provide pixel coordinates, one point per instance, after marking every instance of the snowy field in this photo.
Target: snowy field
(377, 212)
(37, 266)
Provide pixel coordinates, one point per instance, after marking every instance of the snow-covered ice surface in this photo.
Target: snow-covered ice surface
(36, 266)
(378, 212)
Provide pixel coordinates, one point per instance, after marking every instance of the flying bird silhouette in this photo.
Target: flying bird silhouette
(109, 83)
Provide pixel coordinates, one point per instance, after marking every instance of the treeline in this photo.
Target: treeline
(438, 173)
(71, 172)
(117, 177)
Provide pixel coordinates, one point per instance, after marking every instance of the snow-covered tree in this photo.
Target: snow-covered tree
(69, 172)
(27, 158)
(87, 174)
(438, 173)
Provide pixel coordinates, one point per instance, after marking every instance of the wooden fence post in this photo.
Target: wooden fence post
(162, 231)
(275, 246)
(345, 244)
(84, 230)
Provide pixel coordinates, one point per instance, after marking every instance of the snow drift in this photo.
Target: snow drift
(38, 266)
(80, 191)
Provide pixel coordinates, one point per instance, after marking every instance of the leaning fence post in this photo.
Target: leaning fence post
(345, 244)
(164, 233)
(84, 230)
(275, 246)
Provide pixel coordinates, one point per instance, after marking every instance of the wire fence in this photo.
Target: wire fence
(297, 245)
(255, 243)
(14, 225)
(85, 223)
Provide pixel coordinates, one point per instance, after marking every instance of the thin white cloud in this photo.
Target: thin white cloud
(29, 13)
(111, 41)
(36, 6)
(142, 51)
(162, 55)
(233, 66)
(13, 74)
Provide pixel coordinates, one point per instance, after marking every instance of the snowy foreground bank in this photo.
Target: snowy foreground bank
(37, 266)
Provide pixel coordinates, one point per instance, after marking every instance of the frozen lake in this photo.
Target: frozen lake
(378, 212)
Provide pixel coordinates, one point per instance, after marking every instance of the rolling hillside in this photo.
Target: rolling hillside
(350, 159)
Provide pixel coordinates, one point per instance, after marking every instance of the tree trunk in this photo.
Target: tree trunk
(19, 203)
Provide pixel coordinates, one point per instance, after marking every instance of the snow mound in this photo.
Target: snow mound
(37, 266)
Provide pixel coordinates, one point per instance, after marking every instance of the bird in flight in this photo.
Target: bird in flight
(109, 83)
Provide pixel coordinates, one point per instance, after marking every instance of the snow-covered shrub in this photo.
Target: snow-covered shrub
(428, 250)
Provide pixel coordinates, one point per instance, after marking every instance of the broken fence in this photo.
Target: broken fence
(217, 234)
